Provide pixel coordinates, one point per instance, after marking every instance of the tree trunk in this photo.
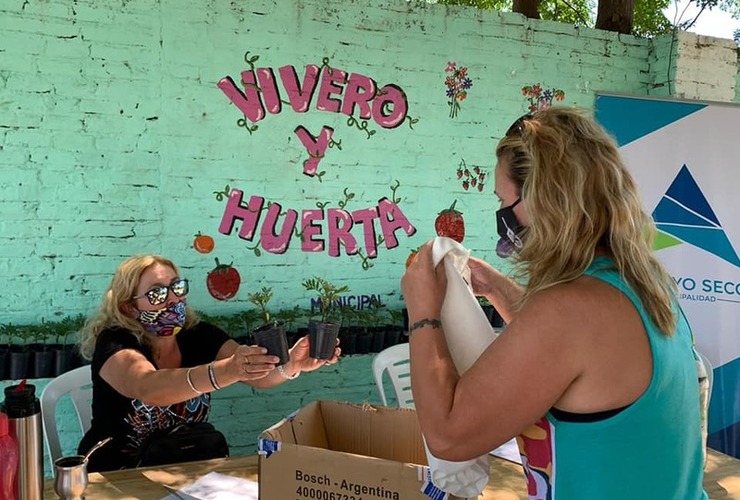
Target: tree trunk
(615, 15)
(530, 8)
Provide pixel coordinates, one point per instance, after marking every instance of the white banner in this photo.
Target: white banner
(683, 154)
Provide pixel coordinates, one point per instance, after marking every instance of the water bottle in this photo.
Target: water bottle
(24, 425)
(8, 460)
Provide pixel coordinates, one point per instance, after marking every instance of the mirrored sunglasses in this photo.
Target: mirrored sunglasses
(158, 295)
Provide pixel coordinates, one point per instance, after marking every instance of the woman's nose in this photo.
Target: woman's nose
(172, 298)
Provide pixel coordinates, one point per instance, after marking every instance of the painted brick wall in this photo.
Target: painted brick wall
(115, 137)
(662, 58)
(695, 55)
(690, 66)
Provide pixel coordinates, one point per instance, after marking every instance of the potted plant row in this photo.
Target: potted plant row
(39, 351)
(49, 349)
(360, 331)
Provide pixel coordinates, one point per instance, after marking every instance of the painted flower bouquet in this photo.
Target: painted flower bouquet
(539, 98)
(458, 83)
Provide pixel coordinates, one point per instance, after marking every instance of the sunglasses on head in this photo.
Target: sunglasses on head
(158, 294)
(517, 127)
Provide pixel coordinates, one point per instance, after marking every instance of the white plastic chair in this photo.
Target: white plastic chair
(395, 361)
(705, 370)
(78, 384)
(710, 372)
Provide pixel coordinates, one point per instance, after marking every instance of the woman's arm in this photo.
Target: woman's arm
(269, 378)
(500, 290)
(300, 361)
(132, 375)
(513, 383)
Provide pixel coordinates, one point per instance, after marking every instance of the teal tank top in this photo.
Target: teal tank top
(651, 450)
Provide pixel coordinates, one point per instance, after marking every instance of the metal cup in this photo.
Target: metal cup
(70, 477)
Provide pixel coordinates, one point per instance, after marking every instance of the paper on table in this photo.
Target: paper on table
(217, 486)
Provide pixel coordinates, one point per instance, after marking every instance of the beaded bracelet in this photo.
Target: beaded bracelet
(281, 371)
(190, 381)
(212, 376)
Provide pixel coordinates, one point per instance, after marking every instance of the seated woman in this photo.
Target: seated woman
(154, 364)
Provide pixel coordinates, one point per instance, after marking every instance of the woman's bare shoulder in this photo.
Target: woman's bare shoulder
(582, 306)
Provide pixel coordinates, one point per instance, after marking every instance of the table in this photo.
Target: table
(721, 481)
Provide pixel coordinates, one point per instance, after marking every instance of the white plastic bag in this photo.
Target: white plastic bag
(468, 333)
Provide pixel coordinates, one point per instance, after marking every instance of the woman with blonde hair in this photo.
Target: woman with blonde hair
(594, 373)
(155, 364)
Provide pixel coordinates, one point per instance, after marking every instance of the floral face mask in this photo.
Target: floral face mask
(164, 322)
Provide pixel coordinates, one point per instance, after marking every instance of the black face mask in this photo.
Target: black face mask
(509, 229)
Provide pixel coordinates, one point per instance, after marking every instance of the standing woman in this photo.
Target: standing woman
(595, 373)
(154, 364)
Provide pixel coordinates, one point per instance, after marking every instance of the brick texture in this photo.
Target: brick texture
(114, 137)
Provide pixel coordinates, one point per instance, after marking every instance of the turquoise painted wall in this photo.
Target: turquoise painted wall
(115, 138)
(662, 59)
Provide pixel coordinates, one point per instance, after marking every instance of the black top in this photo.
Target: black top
(130, 421)
(568, 416)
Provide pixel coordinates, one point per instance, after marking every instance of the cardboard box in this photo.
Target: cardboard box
(341, 451)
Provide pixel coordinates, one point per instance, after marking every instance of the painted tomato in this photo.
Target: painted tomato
(450, 223)
(223, 281)
(203, 243)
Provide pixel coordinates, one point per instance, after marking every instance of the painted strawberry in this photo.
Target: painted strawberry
(473, 181)
(223, 281)
(459, 173)
(465, 185)
(476, 170)
(480, 187)
(481, 177)
(450, 223)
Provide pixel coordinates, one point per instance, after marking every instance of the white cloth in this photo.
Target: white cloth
(468, 333)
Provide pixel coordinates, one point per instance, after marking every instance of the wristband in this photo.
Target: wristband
(190, 381)
(212, 376)
(282, 373)
(434, 323)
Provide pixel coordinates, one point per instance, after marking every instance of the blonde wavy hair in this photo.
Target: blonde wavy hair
(581, 198)
(119, 293)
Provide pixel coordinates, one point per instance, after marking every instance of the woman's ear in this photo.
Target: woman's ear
(129, 310)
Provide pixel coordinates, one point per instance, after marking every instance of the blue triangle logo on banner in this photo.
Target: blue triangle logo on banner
(684, 213)
(628, 119)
